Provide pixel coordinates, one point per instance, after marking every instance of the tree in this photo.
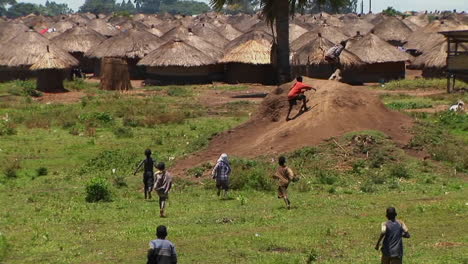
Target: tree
(184, 7)
(278, 12)
(98, 6)
(149, 6)
(54, 9)
(390, 11)
(3, 5)
(22, 9)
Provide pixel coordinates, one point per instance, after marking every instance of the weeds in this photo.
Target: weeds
(421, 84)
(123, 132)
(42, 171)
(98, 190)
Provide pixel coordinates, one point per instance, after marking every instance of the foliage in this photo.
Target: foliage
(7, 128)
(185, 7)
(42, 171)
(98, 6)
(250, 174)
(98, 190)
(337, 6)
(400, 171)
(123, 132)
(3, 4)
(408, 105)
(49, 9)
(390, 11)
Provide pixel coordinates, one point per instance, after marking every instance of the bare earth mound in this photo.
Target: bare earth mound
(337, 109)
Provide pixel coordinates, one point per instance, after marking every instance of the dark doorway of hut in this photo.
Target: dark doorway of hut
(115, 75)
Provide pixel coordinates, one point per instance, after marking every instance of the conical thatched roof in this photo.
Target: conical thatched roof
(243, 22)
(392, 29)
(63, 25)
(371, 49)
(330, 33)
(50, 61)
(155, 31)
(103, 28)
(211, 36)
(129, 44)
(360, 25)
(252, 51)
(9, 30)
(176, 53)
(78, 19)
(130, 24)
(411, 25)
(251, 35)
(78, 39)
(152, 20)
(436, 57)
(444, 25)
(228, 31)
(27, 48)
(313, 53)
(295, 31)
(174, 33)
(420, 40)
(419, 20)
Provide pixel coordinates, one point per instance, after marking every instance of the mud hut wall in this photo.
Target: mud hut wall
(16, 73)
(376, 72)
(321, 71)
(249, 73)
(51, 80)
(185, 75)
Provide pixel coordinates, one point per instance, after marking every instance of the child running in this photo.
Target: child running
(148, 175)
(162, 186)
(284, 175)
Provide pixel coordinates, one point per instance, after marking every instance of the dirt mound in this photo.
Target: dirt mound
(337, 108)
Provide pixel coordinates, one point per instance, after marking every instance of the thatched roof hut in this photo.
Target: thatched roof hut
(313, 53)
(436, 57)
(103, 28)
(155, 31)
(255, 51)
(330, 33)
(295, 31)
(174, 33)
(372, 49)
(63, 25)
(383, 61)
(444, 25)
(259, 36)
(243, 22)
(393, 30)
(360, 25)
(420, 41)
(27, 48)
(177, 62)
(129, 44)
(130, 24)
(79, 19)
(78, 39)
(51, 71)
(419, 20)
(176, 53)
(228, 31)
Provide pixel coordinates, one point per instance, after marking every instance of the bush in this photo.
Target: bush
(326, 177)
(123, 132)
(95, 119)
(120, 182)
(42, 171)
(98, 190)
(25, 88)
(400, 171)
(249, 174)
(359, 166)
(368, 187)
(7, 128)
(11, 170)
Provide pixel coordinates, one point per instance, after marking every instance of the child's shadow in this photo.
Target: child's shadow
(301, 112)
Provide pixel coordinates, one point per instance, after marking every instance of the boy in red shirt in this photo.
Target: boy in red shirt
(297, 93)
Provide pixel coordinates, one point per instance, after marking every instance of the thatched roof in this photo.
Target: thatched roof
(176, 53)
(78, 39)
(130, 24)
(411, 25)
(9, 30)
(419, 20)
(63, 25)
(243, 22)
(392, 29)
(330, 33)
(155, 31)
(51, 61)
(436, 57)
(228, 31)
(251, 35)
(27, 48)
(78, 19)
(151, 20)
(444, 25)
(129, 44)
(174, 33)
(313, 53)
(420, 40)
(360, 25)
(295, 31)
(372, 49)
(103, 28)
(210, 35)
(253, 51)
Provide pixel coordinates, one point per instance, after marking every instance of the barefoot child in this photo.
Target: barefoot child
(148, 175)
(393, 232)
(162, 186)
(297, 93)
(284, 175)
(221, 173)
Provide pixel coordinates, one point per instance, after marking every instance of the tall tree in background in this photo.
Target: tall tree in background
(278, 12)
(3, 4)
(98, 6)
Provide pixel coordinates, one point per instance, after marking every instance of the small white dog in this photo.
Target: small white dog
(457, 107)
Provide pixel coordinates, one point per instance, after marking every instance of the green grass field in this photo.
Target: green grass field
(49, 153)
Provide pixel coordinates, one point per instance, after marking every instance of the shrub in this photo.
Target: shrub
(368, 187)
(96, 119)
(377, 177)
(119, 182)
(378, 159)
(123, 132)
(11, 170)
(250, 174)
(359, 166)
(98, 190)
(400, 171)
(42, 171)
(7, 128)
(326, 177)
(25, 88)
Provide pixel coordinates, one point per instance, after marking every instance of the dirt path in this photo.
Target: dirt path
(62, 98)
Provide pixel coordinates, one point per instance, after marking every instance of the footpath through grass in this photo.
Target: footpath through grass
(49, 153)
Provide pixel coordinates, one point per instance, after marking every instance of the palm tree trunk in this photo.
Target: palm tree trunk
(282, 32)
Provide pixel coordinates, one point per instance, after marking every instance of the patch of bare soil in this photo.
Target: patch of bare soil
(337, 109)
(448, 244)
(435, 109)
(61, 98)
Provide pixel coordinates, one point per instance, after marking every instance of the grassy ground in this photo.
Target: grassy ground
(50, 152)
(422, 84)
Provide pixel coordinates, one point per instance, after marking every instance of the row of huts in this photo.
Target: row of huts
(215, 47)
